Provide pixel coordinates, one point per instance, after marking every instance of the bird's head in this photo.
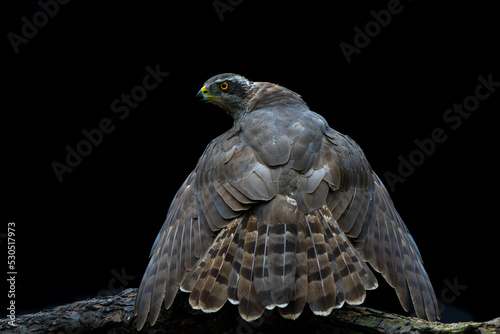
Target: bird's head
(229, 91)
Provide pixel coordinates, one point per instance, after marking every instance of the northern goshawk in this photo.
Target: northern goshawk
(280, 211)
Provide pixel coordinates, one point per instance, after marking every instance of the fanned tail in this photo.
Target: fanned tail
(276, 256)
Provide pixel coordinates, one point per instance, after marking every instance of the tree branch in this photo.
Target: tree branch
(115, 314)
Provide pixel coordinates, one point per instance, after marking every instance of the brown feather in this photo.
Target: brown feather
(249, 306)
(299, 295)
(321, 293)
(280, 211)
(213, 293)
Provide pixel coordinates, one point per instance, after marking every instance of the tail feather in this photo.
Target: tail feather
(276, 256)
(355, 275)
(204, 294)
(261, 279)
(249, 307)
(234, 271)
(275, 263)
(195, 282)
(282, 270)
(321, 294)
(299, 294)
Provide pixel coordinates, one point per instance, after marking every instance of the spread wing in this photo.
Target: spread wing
(281, 211)
(366, 214)
(227, 180)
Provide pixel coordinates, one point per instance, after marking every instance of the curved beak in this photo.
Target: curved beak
(200, 96)
(203, 95)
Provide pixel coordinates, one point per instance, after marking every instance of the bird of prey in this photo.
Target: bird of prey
(280, 211)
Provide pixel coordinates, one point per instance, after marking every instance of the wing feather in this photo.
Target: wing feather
(227, 180)
(366, 214)
(282, 210)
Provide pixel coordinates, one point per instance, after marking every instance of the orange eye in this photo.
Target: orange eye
(224, 85)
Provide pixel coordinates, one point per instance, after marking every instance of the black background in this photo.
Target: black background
(91, 233)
